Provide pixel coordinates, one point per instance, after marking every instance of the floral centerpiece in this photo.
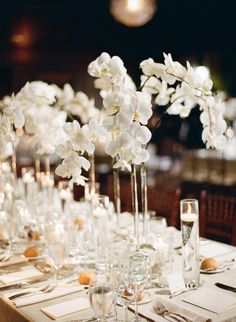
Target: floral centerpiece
(128, 110)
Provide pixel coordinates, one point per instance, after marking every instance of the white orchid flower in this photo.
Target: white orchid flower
(82, 106)
(116, 102)
(135, 155)
(140, 107)
(164, 94)
(149, 68)
(173, 68)
(94, 131)
(63, 150)
(65, 95)
(71, 128)
(106, 65)
(140, 133)
(116, 124)
(118, 144)
(100, 66)
(150, 85)
(38, 93)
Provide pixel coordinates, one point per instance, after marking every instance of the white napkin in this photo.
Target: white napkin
(210, 299)
(212, 249)
(27, 274)
(60, 290)
(148, 311)
(14, 260)
(228, 279)
(65, 308)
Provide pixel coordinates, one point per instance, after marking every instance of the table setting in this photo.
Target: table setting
(85, 260)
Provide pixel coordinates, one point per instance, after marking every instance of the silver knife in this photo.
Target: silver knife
(21, 284)
(226, 287)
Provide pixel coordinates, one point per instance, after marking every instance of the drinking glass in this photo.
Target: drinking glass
(101, 299)
(57, 245)
(190, 241)
(101, 230)
(157, 225)
(163, 257)
(137, 277)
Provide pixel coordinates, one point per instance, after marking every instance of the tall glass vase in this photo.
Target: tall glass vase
(116, 179)
(92, 188)
(144, 199)
(134, 190)
(190, 241)
(138, 260)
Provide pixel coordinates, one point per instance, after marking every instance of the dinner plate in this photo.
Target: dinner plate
(147, 298)
(36, 257)
(214, 271)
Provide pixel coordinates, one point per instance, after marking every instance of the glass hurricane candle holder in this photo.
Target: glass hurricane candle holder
(190, 241)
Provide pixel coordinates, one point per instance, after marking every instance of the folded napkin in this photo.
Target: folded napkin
(60, 290)
(211, 299)
(148, 311)
(14, 260)
(213, 249)
(28, 274)
(69, 307)
(228, 278)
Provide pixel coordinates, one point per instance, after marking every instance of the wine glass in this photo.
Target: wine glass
(57, 245)
(137, 277)
(101, 299)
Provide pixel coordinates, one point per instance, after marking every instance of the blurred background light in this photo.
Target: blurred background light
(133, 13)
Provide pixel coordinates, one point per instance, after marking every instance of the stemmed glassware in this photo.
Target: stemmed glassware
(137, 277)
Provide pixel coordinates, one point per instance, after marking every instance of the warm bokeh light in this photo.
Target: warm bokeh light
(133, 13)
(230, 132)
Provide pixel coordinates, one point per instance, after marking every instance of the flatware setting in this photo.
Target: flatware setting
(5, 257)
(21, 284)
(226, 287)
(45, 289)
(161, 310)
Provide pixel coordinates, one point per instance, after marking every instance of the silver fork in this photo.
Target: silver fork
(5, 257)
(161, 310)
(45, 289)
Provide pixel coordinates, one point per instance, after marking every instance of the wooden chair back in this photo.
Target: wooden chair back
(166, 203)
(218, 217)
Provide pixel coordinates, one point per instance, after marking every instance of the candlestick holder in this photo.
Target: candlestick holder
(190, 241)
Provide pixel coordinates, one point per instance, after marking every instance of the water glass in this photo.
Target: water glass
(101, 299)
(57, 245)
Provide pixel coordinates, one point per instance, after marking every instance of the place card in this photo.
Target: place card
(211, 300)
(21, 275)
(69, 307)
(176, 283)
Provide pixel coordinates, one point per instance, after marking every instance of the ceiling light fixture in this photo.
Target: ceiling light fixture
(133, 13)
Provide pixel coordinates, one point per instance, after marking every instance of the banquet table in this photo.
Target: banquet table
(223, 253)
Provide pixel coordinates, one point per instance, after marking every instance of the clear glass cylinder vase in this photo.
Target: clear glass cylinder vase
(189, 217)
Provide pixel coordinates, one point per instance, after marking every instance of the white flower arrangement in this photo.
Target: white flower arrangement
(76, 104)
(181, 89)
(127, 112)
(80, 140)
(172, 85)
